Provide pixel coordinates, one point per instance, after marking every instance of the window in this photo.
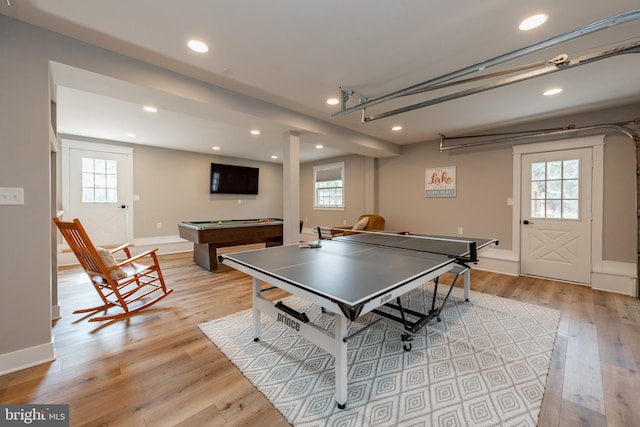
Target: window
(329, 185)
(555, 189)
(99, 180)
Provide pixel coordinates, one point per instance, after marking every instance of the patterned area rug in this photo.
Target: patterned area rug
(484, 364)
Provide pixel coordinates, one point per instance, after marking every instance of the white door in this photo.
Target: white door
(97, 190)
(556, 215)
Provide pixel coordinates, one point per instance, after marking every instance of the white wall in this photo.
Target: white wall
(174, 186)
(25, 242)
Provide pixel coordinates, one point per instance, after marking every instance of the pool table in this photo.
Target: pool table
(208, 236)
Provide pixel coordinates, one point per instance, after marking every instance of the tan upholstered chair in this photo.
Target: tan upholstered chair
(366, 222)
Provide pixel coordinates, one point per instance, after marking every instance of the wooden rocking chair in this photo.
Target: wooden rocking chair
(127, 284)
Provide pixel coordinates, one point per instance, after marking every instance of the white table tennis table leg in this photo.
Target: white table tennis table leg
(466, 276)
(256, 313)
(340, 354)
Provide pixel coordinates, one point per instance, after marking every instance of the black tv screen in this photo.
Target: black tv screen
(231, 179)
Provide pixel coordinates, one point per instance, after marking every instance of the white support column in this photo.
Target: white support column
(291, 187)
(370, 202)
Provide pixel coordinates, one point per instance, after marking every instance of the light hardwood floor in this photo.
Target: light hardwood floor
(158, 369)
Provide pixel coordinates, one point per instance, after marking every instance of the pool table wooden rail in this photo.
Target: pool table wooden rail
(207, 239)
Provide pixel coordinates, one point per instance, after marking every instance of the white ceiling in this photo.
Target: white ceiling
(295, 54)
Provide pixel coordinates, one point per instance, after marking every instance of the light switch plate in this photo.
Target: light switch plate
(11, 196)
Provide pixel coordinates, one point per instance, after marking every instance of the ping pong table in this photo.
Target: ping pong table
(352, 275)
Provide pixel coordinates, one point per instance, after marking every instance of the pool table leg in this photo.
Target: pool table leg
(205, 255)
(274, 241)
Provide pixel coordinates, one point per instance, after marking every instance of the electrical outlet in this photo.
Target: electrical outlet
(158, 225)
(11, 196)
(460, 230)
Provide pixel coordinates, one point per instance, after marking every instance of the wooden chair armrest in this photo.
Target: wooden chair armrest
(124, 248)
(137, 257)
(119, 248)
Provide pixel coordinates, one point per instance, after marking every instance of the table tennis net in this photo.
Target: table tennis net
(460, 248)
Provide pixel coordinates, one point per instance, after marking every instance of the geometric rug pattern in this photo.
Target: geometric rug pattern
(484, 364)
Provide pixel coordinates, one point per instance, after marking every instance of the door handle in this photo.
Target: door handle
(527, 222)
(123, 206)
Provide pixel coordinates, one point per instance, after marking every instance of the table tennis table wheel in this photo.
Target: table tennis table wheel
(406, 342)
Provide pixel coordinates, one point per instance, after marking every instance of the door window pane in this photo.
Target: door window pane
(100, 195)
(571, 169)
(570, 189)
(538, 189)
(538, 171)
(87, 180)
(570, 209)
(555, 189)
(99, 165)
(537, 208)
(554, 170)
(553, 209)
(99, 180)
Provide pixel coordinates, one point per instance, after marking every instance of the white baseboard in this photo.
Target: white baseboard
(55, 312)
(26, 358)
(308, 234)
(165, 245)
(498, 261)
(618, 277)
(609, 276)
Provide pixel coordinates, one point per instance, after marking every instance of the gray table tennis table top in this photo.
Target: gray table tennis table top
(355, 269)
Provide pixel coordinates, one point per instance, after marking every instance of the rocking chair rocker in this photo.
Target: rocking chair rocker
(128, 284)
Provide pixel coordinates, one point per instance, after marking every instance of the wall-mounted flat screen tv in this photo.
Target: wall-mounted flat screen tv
(231, 179)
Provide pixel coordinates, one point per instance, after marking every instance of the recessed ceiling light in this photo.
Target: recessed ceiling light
(255, 132)
(274, 157)
(198, 46)
(333, 101)
(318, 146)
(130, 134)
(396, 128)
(215, 148)
(150, 109)
(533, 22)
(553, 91)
